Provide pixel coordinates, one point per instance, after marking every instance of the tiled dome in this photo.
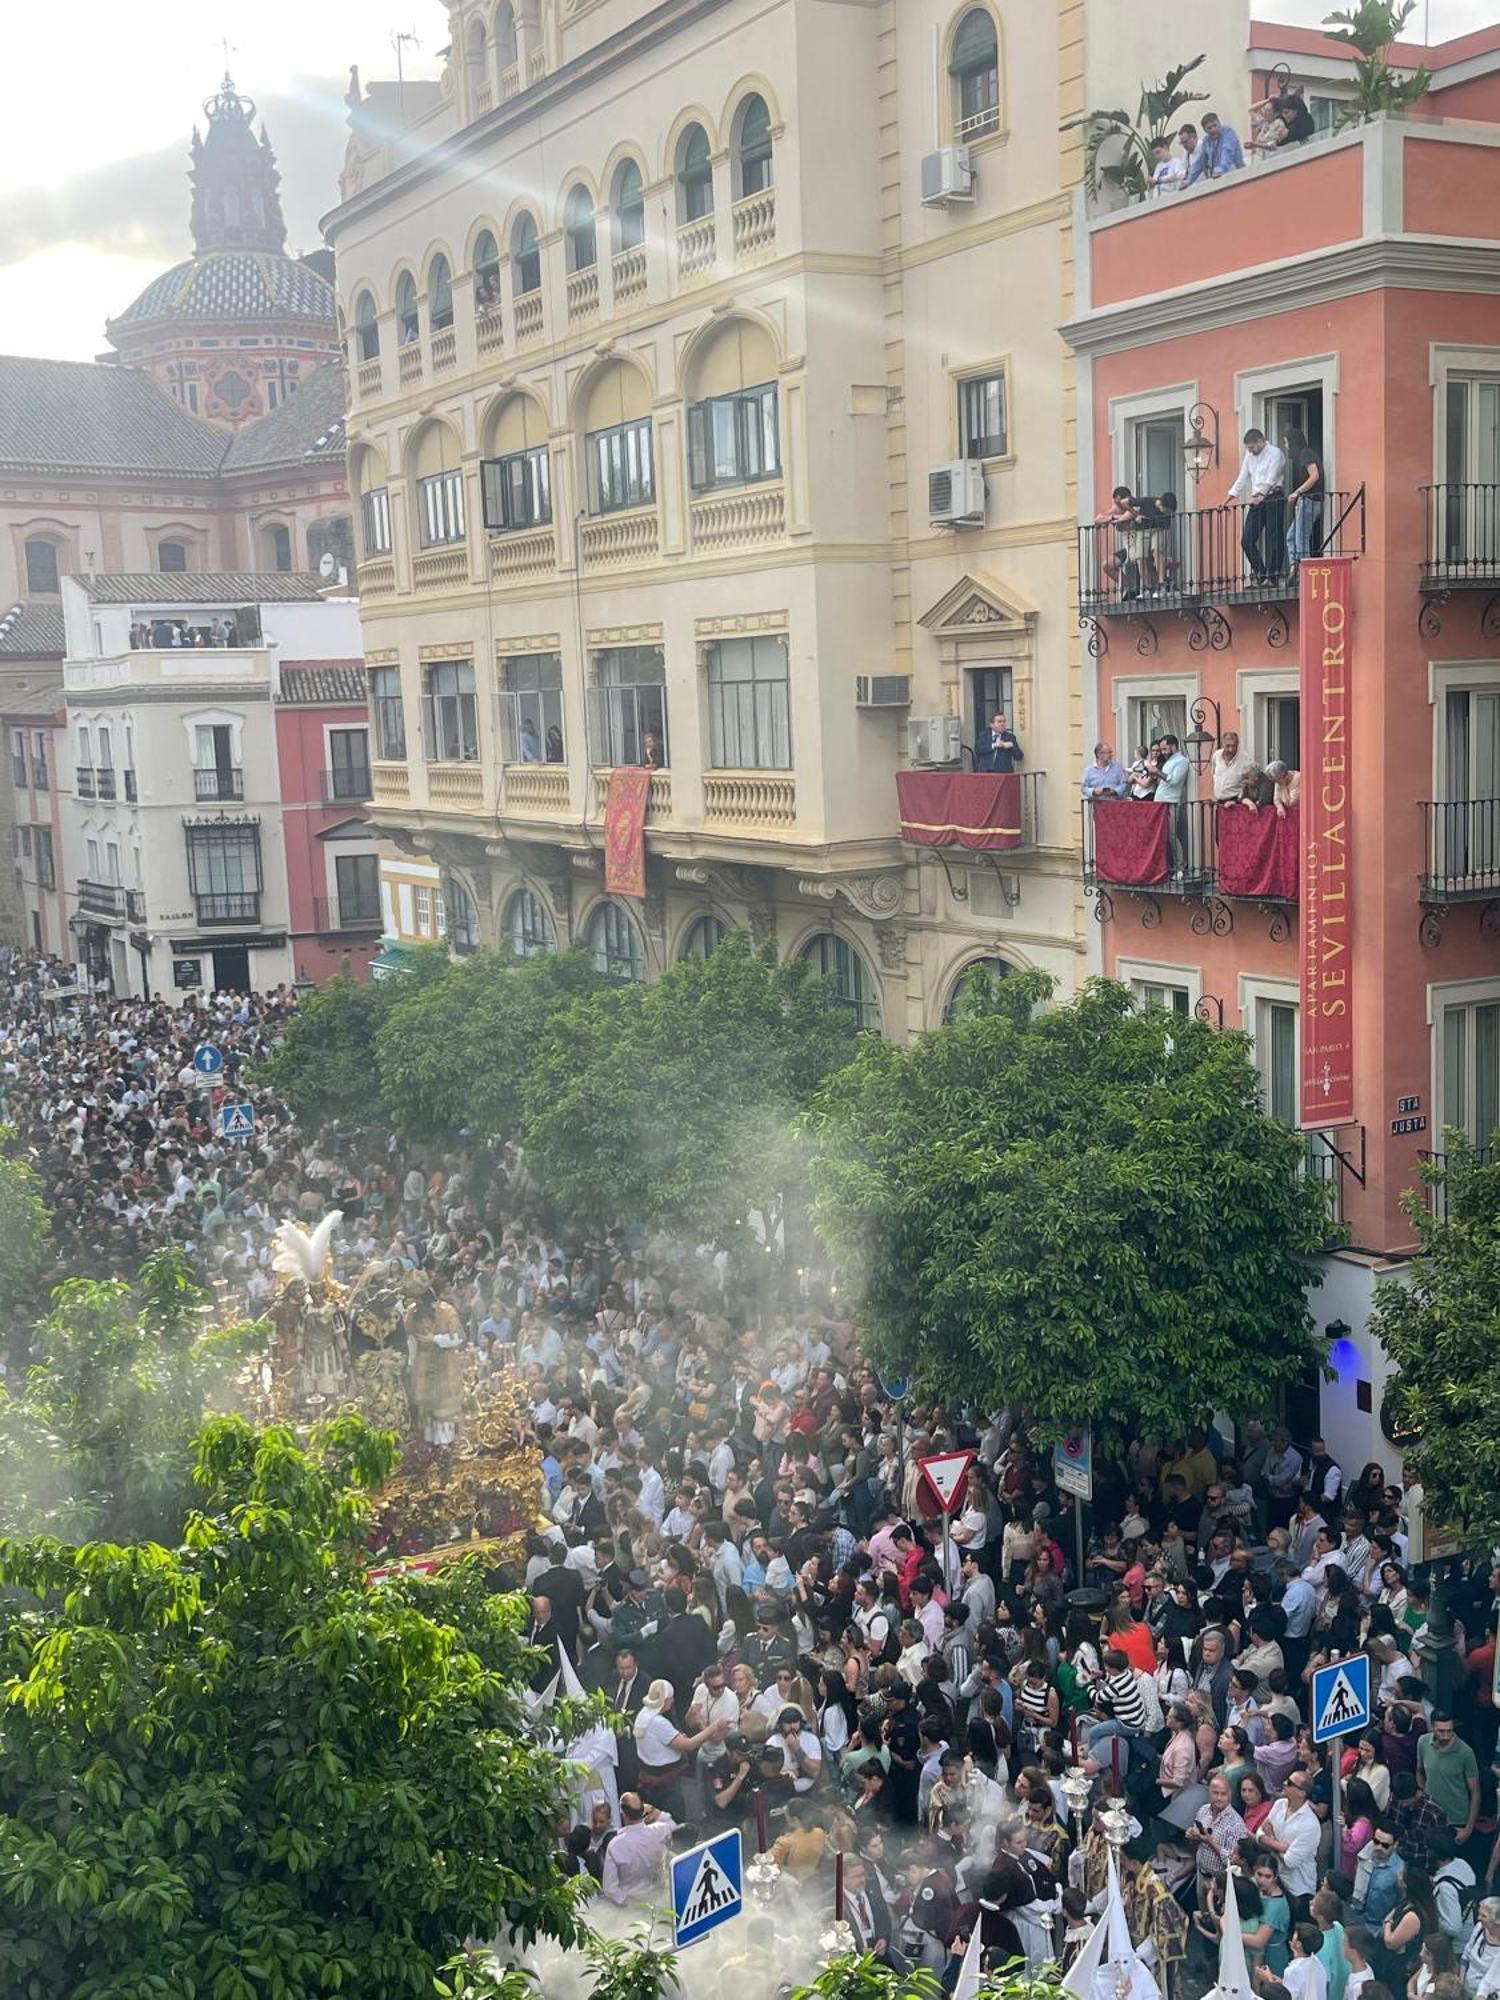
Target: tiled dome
(238, 285)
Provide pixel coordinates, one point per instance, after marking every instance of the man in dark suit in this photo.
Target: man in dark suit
(868, 1914)
(997, 748)
(685, 1648)
(544, 1636)
(563, 1589)
(626, 1691)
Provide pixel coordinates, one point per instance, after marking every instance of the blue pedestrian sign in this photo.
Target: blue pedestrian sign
(207, 1059)
(1341, 1697)
(236, 1121)
(895, 1388)
(706, 1888)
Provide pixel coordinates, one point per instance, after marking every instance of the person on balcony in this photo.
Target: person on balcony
(529, 745)
(998, 748)
(1288, 784)
(1121, 517)
(1171, 790)
(1261, 484)
(1187, 138)
(1105, 778)
(1219, 154)
(1304, 478)
(1230, 764)
(1156, 522)
(1169, 172)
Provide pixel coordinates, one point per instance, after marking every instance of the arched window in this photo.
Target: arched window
(695, 176)
(528, 926)
(615, 943)
(276, 542)
(974, 65)
(704, 939)
(41, 567)
(526, 257)
(973, 987)
(408, 327)
(486, 271)
(171, 557)
(754, 164)
(578, 229)
(439, 294)
(505, 35)
(629, 207)
(460, 922)
(476, 53)
(852, 985)
(366, 327)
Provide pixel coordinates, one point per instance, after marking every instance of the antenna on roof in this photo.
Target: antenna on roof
(396, 43)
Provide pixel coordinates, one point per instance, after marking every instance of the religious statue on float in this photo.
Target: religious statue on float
(310, 1341)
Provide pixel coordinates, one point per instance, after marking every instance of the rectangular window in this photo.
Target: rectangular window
(40, 776)
(630, 706)
(1471, 1070)
(452, 717)
(18, 757)
(517, 490)
(440, 509)
(531, 709)
(990, 694)
(375, 522)
(46, 865)
(224, 872)
(390, 715)
(358, 879)
(215, 774)
(1283, 730)
(983, 417)
(621, 471)
(348, 763)
(1159, 993)
(423, 925)
(91, 859)
(1276, 1058)
(23, 834)
(733, 439)
(1156, 461)
(749, 705)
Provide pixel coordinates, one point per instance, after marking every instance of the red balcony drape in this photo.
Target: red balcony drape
(1130, 842)
(1258, 852)
(980, 810)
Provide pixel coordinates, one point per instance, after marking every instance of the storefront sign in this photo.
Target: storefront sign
(1327, 978)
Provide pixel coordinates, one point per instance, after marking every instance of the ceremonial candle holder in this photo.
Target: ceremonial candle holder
(1113, 1821)
(1078, 1789)
(762, 1876)
(837, 1941)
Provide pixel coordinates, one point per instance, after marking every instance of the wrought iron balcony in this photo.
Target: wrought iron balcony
(347, 913)
(218, 784)
(229, 906)
(102, 899)
(1463, 536)
(104, 782)
(1461, 851)
(85, 785)
(348, 784)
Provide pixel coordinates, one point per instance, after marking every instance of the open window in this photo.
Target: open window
(579, 230)
(754, 163)
(974, 67)
(526, 257)
(629, 207)
(695, 176)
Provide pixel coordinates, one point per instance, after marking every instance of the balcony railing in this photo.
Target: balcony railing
(377, 578)
(695, 248)
(510, 82)
(229, 906)
(409, 362)
(489, 329)
(1461, 846)
(755, 227)
(1197, 849)
(629, 271)
(218, 784)
(658, 806)
(131, 795)
(457, 786)
(513, 558)
(754, 800)
(983, 812)
(444, 349)
(85, 785)
(367, 379)
(1463, 535)
(1210, 555)
(102, 899)
(613, 541)
(440, 569)
(1437, 1197)
(528, 317)
(348, 783)
(583, 293)
(347, 913)
(392, 784)
(739, 519)
(538, 788)
(104, 782)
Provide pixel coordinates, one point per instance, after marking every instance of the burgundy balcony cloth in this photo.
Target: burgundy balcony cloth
(1258, 852)
(980, 810)
(1130, 842)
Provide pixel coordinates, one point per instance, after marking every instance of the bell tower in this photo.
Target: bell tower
(236, 205)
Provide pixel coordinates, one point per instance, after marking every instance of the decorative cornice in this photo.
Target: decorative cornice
(739, 622)
(875, 896)
(530, 642)
(462, 650)
(623, 635)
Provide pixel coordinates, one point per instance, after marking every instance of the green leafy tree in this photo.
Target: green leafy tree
(1084, 1208)
(453, 1054)
(236, 1771)
(325, 1063)
(1440, 1324)
(1369, 29)
(869, 1978)
(25, 1231)
(99, 1439)
(674, 1103)
(1118, 154)
(633, 1968)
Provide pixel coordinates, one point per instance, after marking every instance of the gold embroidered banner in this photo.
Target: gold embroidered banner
(625, 806)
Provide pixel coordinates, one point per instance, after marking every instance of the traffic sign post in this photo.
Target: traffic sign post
(944, 1473)
(707, 1888)
(208, 1060)
(1073, 1472)
(1340, 1705)
(236, 1121)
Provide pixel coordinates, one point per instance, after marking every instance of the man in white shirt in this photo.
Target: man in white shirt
(1291, 1830)
(1261, 484)
(801, 1752)
(1230, 765)
(713, 1702)
(634, 1858)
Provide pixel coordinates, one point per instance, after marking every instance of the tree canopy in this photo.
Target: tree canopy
(234, 1770)
(1439, 1322)
(325, 1065)
(1083, 1208)
(25, 1231)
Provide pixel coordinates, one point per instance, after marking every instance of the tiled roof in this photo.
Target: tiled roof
(31, 631)
(219, 587)
(237, 285)
(40, 693)
(77, 417)
(323, 683)
(308, 429)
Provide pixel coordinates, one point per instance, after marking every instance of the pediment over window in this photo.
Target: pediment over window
(977, 604)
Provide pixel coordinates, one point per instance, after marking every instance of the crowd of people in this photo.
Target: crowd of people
(738, 1548)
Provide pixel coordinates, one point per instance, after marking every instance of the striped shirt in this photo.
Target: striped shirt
(1123, 1698)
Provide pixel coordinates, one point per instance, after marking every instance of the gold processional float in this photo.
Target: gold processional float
(388, 1346)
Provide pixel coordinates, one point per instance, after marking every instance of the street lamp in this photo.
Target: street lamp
(1200, 448)
(1200, 741)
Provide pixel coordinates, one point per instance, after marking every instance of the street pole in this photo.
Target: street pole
(947, 1552)
(1078, 1534)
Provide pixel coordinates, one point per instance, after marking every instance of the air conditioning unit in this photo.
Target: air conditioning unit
(947, 177)
(882, 690)
(955, 494)
(934, 739)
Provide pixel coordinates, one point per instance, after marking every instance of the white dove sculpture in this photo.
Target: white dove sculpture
(299, 1255)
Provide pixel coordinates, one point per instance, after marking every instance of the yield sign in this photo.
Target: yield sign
(944, 1474)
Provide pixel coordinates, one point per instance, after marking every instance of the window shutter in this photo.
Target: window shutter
(974, 46)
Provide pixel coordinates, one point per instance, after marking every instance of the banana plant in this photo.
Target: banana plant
(1370, 29)
(1118, 154)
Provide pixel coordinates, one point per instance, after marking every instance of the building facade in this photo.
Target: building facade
(1343, 293)
(215, 736)
(733, 448)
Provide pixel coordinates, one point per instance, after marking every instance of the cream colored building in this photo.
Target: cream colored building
(654, 346)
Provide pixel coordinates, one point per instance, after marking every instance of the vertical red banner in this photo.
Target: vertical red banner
(1325, 874)
(626, 803)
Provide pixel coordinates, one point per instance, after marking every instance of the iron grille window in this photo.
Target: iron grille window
(749, 705)
(517, 490)
(452, 712)
(621, 471)
(531, 709)
(390, 715)
(440, 509)
(631, 705)
(375, 521)
(733, 439)
(224, 871)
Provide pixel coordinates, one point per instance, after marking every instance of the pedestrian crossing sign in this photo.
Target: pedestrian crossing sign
(1341, 1697)
(236, 1121)
(707, 1888)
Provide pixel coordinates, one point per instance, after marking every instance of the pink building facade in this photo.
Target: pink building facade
(332, 866)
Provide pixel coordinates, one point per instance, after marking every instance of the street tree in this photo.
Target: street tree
(236, 1770)
(25, 1232)
(1439, 1322)
(1083, 1208)
(325, 1064)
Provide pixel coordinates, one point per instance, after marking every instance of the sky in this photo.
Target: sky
(94, 165)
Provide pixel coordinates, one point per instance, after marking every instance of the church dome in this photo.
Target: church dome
(242, 286)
